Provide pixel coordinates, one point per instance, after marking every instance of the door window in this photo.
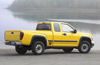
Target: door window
(56, 27)
(66, 28)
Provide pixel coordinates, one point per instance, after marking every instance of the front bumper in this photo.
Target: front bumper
(12, 43)
(92, 44)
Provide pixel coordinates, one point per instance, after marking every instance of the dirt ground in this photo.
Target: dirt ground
(50, 57)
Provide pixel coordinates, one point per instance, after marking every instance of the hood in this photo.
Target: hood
(85, 34)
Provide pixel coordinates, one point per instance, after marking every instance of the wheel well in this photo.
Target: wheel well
(85, 39)
(40, 38)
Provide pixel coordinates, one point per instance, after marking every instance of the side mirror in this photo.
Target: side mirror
(75, 31)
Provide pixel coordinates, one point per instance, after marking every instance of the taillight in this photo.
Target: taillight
(21, 35)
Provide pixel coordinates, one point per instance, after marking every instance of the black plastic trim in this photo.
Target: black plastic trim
(36, 36)
(92, 44)
(62, 40)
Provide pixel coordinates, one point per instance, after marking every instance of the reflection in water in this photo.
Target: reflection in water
(93, 28)
(16, 21)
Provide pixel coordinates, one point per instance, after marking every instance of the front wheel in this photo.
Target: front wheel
(38, 47)
(84, 47)
(21, 49)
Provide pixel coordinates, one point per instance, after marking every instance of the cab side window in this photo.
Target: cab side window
(56, 27)
(66, 28)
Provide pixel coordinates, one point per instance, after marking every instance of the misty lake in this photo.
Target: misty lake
(8, 21)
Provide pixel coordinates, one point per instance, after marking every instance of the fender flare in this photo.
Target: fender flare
(85, 37)
(39, 36)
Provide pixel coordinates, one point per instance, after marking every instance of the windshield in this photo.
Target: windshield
(43, 27)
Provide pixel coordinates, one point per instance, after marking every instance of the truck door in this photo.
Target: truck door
(63, 36)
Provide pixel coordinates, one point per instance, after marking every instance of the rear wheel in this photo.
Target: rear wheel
(68, 50)
(84, 47)
(21, 49)
(38, 47)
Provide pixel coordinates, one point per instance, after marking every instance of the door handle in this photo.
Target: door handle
(64, 34)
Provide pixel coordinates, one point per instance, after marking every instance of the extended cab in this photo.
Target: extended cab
(57, 35)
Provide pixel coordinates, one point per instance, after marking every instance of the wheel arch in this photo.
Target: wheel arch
(85, 38)
(39, 37)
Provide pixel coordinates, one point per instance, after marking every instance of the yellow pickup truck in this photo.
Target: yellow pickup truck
(56, 35)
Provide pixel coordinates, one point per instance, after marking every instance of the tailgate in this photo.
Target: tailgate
(12, 35)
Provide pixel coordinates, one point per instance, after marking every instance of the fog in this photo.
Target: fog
(5, 3)
(82, 4)
(64, 9)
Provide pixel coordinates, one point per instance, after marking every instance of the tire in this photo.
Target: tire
(84, 47)
(68, 50)
(21, 49)
(38, 47)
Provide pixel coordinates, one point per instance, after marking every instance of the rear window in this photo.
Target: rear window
(43, 27)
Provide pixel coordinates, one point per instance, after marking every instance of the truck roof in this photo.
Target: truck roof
(51, 22)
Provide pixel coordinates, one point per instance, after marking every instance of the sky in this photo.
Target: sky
(5, 3)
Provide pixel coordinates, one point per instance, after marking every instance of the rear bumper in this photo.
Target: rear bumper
(12, 43)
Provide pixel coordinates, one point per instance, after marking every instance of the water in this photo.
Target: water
(18, 21)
